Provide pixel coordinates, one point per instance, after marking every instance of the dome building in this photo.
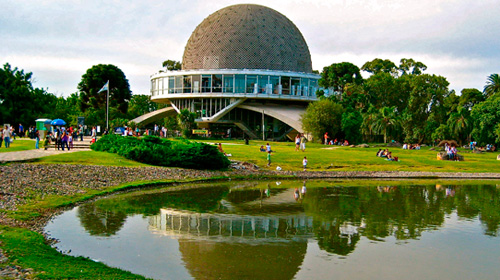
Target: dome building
(245, 67)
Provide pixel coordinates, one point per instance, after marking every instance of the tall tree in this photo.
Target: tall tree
(20, 103)
(187, 122)
(470, 97)
(409, 66)
(486, 118)
(172, 65)
(380, 66)
(338, 75)
(492, 85)
(141, 104)
(388, 118)
(322, 116)
(95, 78)
(426, 98)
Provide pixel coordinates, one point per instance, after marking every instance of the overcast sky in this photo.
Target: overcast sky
(59, 40)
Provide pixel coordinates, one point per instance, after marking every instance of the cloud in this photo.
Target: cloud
(59, 40)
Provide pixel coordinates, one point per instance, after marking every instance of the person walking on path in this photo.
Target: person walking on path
(6, 137)
(304, 163)
(21, 130)
(37, 138)
(268, 158)
(80, 132)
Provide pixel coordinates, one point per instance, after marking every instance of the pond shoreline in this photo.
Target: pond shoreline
(23, 181)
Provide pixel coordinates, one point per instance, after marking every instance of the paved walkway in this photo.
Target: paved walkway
(34, 154)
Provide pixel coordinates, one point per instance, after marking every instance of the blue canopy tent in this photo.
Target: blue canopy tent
(58, 122)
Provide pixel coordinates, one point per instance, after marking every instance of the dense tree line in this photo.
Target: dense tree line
(21, 103)
(401, 103)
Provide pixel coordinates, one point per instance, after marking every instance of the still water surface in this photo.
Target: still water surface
(292, 230)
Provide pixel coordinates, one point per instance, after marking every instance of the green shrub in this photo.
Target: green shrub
(162, 152)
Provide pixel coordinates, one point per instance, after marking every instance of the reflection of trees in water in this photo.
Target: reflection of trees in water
(100, 222)
(402, 212)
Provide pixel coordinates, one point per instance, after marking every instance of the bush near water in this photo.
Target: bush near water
(162, 152)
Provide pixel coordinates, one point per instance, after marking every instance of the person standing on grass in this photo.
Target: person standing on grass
(297, 142)
(269, 158)
(1, 136)
(303, 141)
(304, 163)
(37, 138)
(6, 137)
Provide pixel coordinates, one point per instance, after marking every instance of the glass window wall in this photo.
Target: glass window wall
(187, 84)
(239, 83)
(295, 86)
(251, 82)
(206, 83)
(275, 82)
(228, 83)
(285, 85)
(171, 84)
(216, 83)
(178, 84)
(263, 81)
(196, 83)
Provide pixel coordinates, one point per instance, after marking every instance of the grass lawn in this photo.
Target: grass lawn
(90, 158)
(29, 249)
(338, 158)
(320, 158)
(19, 145)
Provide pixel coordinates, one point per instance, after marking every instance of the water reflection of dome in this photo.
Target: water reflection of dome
(207, 260)
(232, 228)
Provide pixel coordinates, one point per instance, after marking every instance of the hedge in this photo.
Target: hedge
(162, 152)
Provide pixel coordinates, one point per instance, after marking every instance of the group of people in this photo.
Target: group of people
(300, 142)
(64, 137)
(385, 153)
(328, 141)
(411, 146)
(451, 151)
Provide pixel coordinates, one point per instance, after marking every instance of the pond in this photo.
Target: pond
(292, 230)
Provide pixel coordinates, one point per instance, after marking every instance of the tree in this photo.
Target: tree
(186, 122)
(380, 66)
(171, 124)
(322, 116)
(94, 79)
(338, 75)
(172, 65)
(351, 125)
(409, 66)
(19, 101)
(492, 85)
(459, 124)
(470, 97)
(388, 118)
(486, 118)
(427, 96)
(384, 90)
(141, 104)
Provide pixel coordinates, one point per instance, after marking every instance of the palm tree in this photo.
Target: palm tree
(492, 85)
(387, 118)
(368, 118)
(459, 122)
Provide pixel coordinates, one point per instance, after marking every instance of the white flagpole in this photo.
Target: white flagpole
(107, 108)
